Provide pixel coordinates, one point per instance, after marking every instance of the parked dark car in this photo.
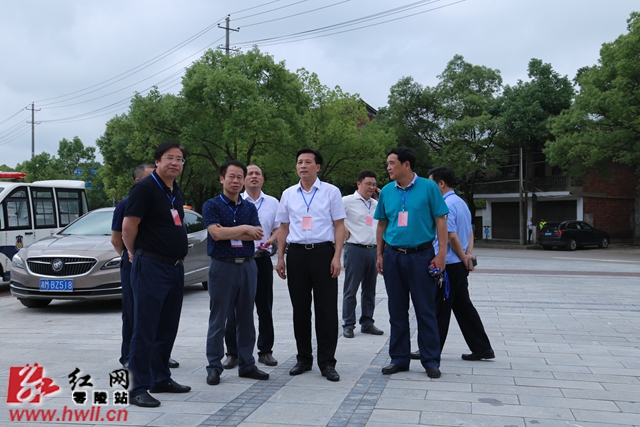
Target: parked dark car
(571, 235)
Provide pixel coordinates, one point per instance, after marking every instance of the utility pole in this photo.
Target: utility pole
(227, 28)
(33, 129)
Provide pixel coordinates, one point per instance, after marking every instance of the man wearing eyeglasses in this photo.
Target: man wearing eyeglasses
(154, 234)
(360, 256)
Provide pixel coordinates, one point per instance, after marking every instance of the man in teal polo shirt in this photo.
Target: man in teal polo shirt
(410, 212)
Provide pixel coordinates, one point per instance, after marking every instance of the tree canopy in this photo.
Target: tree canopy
(603, 124)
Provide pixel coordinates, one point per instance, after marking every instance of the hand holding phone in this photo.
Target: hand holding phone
(472, 263)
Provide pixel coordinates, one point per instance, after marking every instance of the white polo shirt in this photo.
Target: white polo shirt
(323, 204)
(267, 207)
(357, 210)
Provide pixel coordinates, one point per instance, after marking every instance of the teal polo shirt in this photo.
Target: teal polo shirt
(423, 201)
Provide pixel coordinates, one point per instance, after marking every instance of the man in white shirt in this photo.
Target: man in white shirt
(267, 207)
(360, 256)
(311, 216)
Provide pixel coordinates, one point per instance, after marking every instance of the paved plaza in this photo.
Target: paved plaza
(565, 328)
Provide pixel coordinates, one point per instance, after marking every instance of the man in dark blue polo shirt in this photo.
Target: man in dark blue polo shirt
(233, 275)
(154, 234)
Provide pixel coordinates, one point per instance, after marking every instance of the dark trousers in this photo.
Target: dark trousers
(264, 307)
(466, 314)
(127, 307)
(359, 267)
(309, 272)
(232, 288)
(158, 290)
(407, 275)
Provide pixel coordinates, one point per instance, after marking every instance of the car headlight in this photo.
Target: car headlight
(16, 262)
(112, 263)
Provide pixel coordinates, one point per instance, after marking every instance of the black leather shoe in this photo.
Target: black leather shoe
(255, 374)
(415, 355)
(330, 373)
(299, 368)
(268, 360)
(145, 400)
(372, 330)
(393, 369)
(433, 372)
(489, 354)
(173, 364)
(213, 378)
(348, 333)
(230, 362)
(170, 386)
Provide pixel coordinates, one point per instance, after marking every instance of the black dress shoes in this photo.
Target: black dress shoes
(170, 386)
(213, 378)
(268, 359)
(479, 356)
(348, 332)
(433, 372)
(299, 368)
(145, 400)
(255, 374)
(330, 373)
(393, 369)
(230, 362)
(372, 330)
(173, 364)
(415, 355)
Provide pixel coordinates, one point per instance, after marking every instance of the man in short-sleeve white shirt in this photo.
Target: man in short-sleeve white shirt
(312, 215)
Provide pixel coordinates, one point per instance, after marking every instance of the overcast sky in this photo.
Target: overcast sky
(77, 59)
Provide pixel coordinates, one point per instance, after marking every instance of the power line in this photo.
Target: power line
(271, 10)
(295, 14)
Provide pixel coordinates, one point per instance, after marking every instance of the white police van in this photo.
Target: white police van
(30, 211)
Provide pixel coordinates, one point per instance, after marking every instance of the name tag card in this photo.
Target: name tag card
(306, 222)
(176, 217)
(236, 243)
(369, 220)
(403, 219)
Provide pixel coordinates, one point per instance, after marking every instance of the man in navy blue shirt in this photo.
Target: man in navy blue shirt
(233, 275)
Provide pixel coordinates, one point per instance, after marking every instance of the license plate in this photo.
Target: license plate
(548, 233)
(56, 285)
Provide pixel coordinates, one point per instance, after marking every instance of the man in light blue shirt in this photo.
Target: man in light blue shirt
(459, 263)
(410, 212)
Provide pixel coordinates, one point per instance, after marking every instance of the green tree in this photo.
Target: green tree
(603, 124)
(456, 122)
(41, 167)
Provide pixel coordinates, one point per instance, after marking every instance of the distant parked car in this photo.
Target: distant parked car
(79, 262)
(571, 235)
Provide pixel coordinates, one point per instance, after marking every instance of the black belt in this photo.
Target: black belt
(160, 258)
(362, 246)
(309, 246)
(419, 248)
(262, 254)
(235, 260)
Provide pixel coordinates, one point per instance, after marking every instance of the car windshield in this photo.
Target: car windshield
(94, 223)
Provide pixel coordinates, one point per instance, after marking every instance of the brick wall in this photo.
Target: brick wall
(612, 211)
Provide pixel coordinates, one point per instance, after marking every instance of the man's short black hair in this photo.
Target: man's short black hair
(404, 155)
(366, 174)
(316, 154)
(443, 173)
(138, 172)
(165, 146)
(225, 166)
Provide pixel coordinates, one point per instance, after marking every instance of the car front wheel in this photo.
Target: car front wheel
(604, 243)
(34, 303)
(573, 245)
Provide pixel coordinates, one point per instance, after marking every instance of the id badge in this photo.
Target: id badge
(306, 222)
(236, 243)
(403, 219)
(176, 217)
(369, 220)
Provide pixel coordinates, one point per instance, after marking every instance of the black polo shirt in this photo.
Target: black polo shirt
(150, 200)
(221, 210)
